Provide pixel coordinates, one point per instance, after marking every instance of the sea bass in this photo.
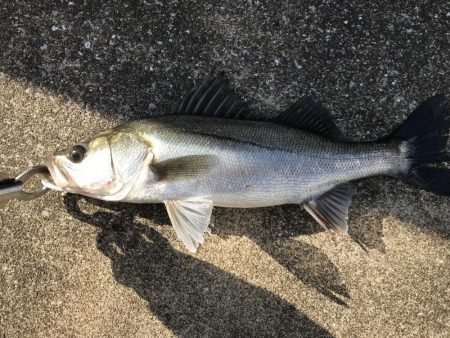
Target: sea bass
(213, 152)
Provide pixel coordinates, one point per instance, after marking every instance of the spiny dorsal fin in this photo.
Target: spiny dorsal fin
(310, 115)
(185, 167)
(214, 98)
(331, 209)
(190, 219)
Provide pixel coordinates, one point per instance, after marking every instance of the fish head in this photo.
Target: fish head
(104, 167)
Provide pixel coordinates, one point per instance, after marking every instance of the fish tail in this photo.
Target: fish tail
(423, 139)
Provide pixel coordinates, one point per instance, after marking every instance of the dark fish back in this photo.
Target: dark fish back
(259, 133)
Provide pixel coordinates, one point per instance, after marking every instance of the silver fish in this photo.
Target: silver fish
(213, 152)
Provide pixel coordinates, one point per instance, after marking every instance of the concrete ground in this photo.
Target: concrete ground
(75, 267)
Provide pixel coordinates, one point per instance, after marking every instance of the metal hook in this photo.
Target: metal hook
(12, 188)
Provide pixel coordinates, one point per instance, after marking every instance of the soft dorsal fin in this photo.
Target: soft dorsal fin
(310, 115)
(214, 98)
(331, 209)
(190, 219)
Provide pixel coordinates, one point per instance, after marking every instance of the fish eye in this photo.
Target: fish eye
(77, 153)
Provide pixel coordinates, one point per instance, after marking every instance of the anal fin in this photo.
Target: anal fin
(190, 220)
(331, 209)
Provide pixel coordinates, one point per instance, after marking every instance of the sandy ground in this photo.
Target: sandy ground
(76, 267)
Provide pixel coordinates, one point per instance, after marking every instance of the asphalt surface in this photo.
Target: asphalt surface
(77, 267)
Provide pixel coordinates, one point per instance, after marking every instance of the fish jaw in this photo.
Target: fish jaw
(59, 180)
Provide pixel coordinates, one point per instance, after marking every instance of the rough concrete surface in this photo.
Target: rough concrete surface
(76, 267)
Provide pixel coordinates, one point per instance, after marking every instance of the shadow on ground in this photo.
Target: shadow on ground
(273, 229)
(189, 296)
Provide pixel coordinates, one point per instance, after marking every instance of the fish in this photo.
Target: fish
(213, 151)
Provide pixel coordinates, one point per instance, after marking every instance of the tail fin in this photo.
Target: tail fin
(425, 133)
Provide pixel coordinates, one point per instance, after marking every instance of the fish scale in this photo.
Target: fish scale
(278, 172)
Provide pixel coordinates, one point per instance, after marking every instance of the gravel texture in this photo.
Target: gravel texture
(76, 267)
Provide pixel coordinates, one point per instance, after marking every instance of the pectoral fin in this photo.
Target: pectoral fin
(185, 167)
(190, 219)
(331, 209)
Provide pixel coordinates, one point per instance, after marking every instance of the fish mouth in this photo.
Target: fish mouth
(58, 179)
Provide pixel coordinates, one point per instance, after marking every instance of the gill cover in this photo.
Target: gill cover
(129, 155)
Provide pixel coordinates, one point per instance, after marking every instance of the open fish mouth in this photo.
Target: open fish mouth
(57, 180)
(49, 183)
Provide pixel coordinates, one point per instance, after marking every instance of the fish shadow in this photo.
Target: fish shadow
(380, 198)
(191, 297)
(273, 229)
